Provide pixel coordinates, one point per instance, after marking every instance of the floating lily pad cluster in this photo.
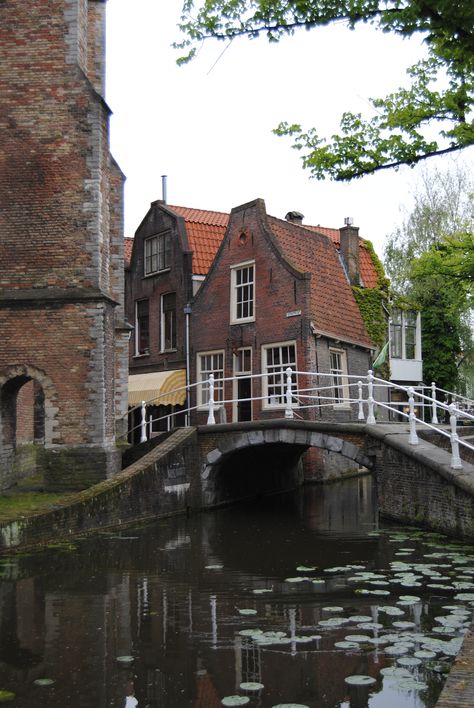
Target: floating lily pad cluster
(396, 622)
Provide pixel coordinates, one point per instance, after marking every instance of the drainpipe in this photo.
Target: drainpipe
(187, 312)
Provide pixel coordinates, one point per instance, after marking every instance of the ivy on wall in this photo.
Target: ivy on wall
(373, 304)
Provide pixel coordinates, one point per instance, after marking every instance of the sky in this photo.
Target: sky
(208, 125)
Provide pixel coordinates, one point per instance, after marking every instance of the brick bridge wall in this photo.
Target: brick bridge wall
(200, 468)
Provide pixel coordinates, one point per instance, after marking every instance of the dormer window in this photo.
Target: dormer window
(242, 295)
(157, 253)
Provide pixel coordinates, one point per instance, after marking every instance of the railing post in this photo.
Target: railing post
(143, 437)
(456, 462)
(210, 418)
(370, 398)
(413, 437)
(361, 406)
(434, 415)
(288, 409)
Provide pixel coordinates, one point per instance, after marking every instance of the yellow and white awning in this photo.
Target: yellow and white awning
(160, 388)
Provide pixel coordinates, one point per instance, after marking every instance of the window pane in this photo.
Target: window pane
(395, 340)
(168, 321)
(142, 326)
(211, 364)
(244, 292)
(336, 371)
(410, 334)
(278, 359)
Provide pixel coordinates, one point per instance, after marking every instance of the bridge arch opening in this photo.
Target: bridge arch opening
(25, 423)
(246, 464)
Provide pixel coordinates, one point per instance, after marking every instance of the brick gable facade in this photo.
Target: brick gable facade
(303, 311)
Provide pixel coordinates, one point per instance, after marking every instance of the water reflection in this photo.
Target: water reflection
(155, 617)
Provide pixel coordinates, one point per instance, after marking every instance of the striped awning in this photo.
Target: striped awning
(160, 388)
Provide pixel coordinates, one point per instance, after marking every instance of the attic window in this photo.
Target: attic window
(157, 253)
(243, 237)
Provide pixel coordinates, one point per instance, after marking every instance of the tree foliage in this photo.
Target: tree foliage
(441, 92)
(430, 260)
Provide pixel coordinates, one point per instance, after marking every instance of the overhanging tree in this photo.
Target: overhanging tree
(441, 92)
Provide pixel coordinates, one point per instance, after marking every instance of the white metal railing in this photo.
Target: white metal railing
(338, 391)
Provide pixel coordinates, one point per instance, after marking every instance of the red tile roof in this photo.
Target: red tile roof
(127, 251)
(205, 230)
(334, 310)
(368, 274)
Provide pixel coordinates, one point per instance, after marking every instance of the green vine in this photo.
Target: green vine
(371, 308)
(373, 303)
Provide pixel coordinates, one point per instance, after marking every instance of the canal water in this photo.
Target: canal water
(281, 602)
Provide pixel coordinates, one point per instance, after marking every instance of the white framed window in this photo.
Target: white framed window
(142, 327)
(404, 334)
(157, 253)
(242, 292)
(210, 363)
(338, 372)
(276, 358)
(168, 322)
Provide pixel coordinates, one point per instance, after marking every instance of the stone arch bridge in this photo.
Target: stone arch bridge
(415, 483)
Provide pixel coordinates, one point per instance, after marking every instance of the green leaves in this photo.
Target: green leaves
(441, 91)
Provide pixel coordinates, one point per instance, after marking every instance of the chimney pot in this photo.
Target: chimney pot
(296, 217)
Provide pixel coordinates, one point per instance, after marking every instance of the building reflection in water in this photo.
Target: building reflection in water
(151, 596)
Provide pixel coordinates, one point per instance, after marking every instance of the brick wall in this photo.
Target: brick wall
(175, 280)
(60, 244)
(282, 312)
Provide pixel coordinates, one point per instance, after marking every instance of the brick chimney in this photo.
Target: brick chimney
(349, 238)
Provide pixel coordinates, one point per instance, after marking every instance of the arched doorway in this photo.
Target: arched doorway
(23, 424)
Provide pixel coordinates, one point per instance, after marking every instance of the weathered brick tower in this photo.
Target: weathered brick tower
(63, 340)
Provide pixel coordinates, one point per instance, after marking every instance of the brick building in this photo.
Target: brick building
(168, 259)
(279, 295)
(64, 344)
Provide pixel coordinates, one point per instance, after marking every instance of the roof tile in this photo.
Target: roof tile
(333, 307)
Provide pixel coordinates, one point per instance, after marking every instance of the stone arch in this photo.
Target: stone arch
(229, 444)
(28, 389)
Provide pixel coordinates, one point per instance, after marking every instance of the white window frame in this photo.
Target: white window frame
(338, 376)
(234, 289)
(162, 324)
(401, 325)
(203, 378)
(279, 371)
(163, 255)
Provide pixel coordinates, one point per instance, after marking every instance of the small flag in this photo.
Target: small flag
(382, 357)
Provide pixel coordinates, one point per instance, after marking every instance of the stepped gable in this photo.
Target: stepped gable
(205, 230)
(333, 308)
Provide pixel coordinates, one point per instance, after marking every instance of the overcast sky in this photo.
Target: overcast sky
(208, 125)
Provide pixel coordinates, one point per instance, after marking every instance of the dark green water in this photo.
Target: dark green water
(171, 595)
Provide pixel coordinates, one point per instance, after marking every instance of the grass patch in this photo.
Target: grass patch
(15, 505)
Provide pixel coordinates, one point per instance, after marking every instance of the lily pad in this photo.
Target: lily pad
(408, 661)
(126, 659)
(359, 680)
(347, 645)
(251, 686)
(235, 701)
(247, 611)
(43, 682)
